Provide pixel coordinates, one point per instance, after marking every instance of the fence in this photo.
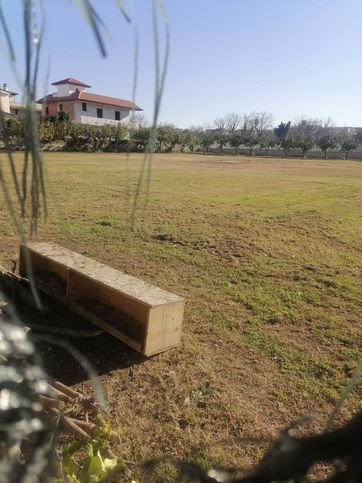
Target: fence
(294, 153)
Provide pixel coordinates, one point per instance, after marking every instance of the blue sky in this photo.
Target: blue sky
(289, 57)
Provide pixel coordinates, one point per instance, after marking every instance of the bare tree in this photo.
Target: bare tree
(196, 129)
(220, 123)
(138, 121)
(307, 128)
(258, 122)
(326, 125)
(233, 121)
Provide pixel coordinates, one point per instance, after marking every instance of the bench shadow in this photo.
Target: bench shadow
(104, 352)
(57, 351)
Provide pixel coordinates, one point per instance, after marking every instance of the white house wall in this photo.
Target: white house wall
(90, 116)
(5, 102)
(66, 89)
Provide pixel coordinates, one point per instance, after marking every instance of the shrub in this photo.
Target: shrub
(16, 129)
(167, 138)
(47, 132)
(139, 138)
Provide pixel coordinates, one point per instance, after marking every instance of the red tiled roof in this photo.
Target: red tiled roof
(70, 80)
(89, 97)
(111, 101)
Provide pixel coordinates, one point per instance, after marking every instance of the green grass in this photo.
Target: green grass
(312, 375)
(267, 253)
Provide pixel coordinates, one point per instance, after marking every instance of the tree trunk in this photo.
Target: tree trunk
(267, 151)
(325, 154)
(347, 155)
(250, 151)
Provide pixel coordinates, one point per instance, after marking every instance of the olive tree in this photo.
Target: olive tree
(303, 142)
(287, 143)
(168, 137)
(327, 142)
(183, 140)
(251, 140)
(267, 141)
(207, 139)
(139, 138)
(193, 140)
(221, 139)
(348, 145)
(235, 141)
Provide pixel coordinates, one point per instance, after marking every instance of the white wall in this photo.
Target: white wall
(66, 89)
(20, 109)
(5, 102)
(90, 116)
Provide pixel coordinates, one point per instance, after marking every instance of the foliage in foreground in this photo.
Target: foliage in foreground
(99, 464)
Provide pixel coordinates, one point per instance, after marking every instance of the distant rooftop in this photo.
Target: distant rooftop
(90, 97)
(70, 80)
(5, 88)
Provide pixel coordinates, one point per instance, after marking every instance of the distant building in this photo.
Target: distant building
(341, 131)
(9, 106)
(85, 107)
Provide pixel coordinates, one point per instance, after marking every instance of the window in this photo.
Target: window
(84, 106)
(47, 111)
(61, 107)
(99, 113)
(117, 115)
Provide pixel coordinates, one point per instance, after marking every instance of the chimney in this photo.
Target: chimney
(5, 86)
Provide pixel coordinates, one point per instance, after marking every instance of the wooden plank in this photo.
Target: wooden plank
(40, 263)
(117, 324)
(131, 307)
(80, 287)
(164, 327)
(132, 287)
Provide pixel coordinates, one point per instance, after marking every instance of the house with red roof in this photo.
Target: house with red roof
(85, 107)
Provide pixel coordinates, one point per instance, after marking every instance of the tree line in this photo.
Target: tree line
(255, 131)
(234, 131)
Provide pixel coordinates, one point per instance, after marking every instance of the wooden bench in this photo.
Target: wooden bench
(143, 316)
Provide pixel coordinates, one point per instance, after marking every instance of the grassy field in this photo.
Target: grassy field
(267, 253)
